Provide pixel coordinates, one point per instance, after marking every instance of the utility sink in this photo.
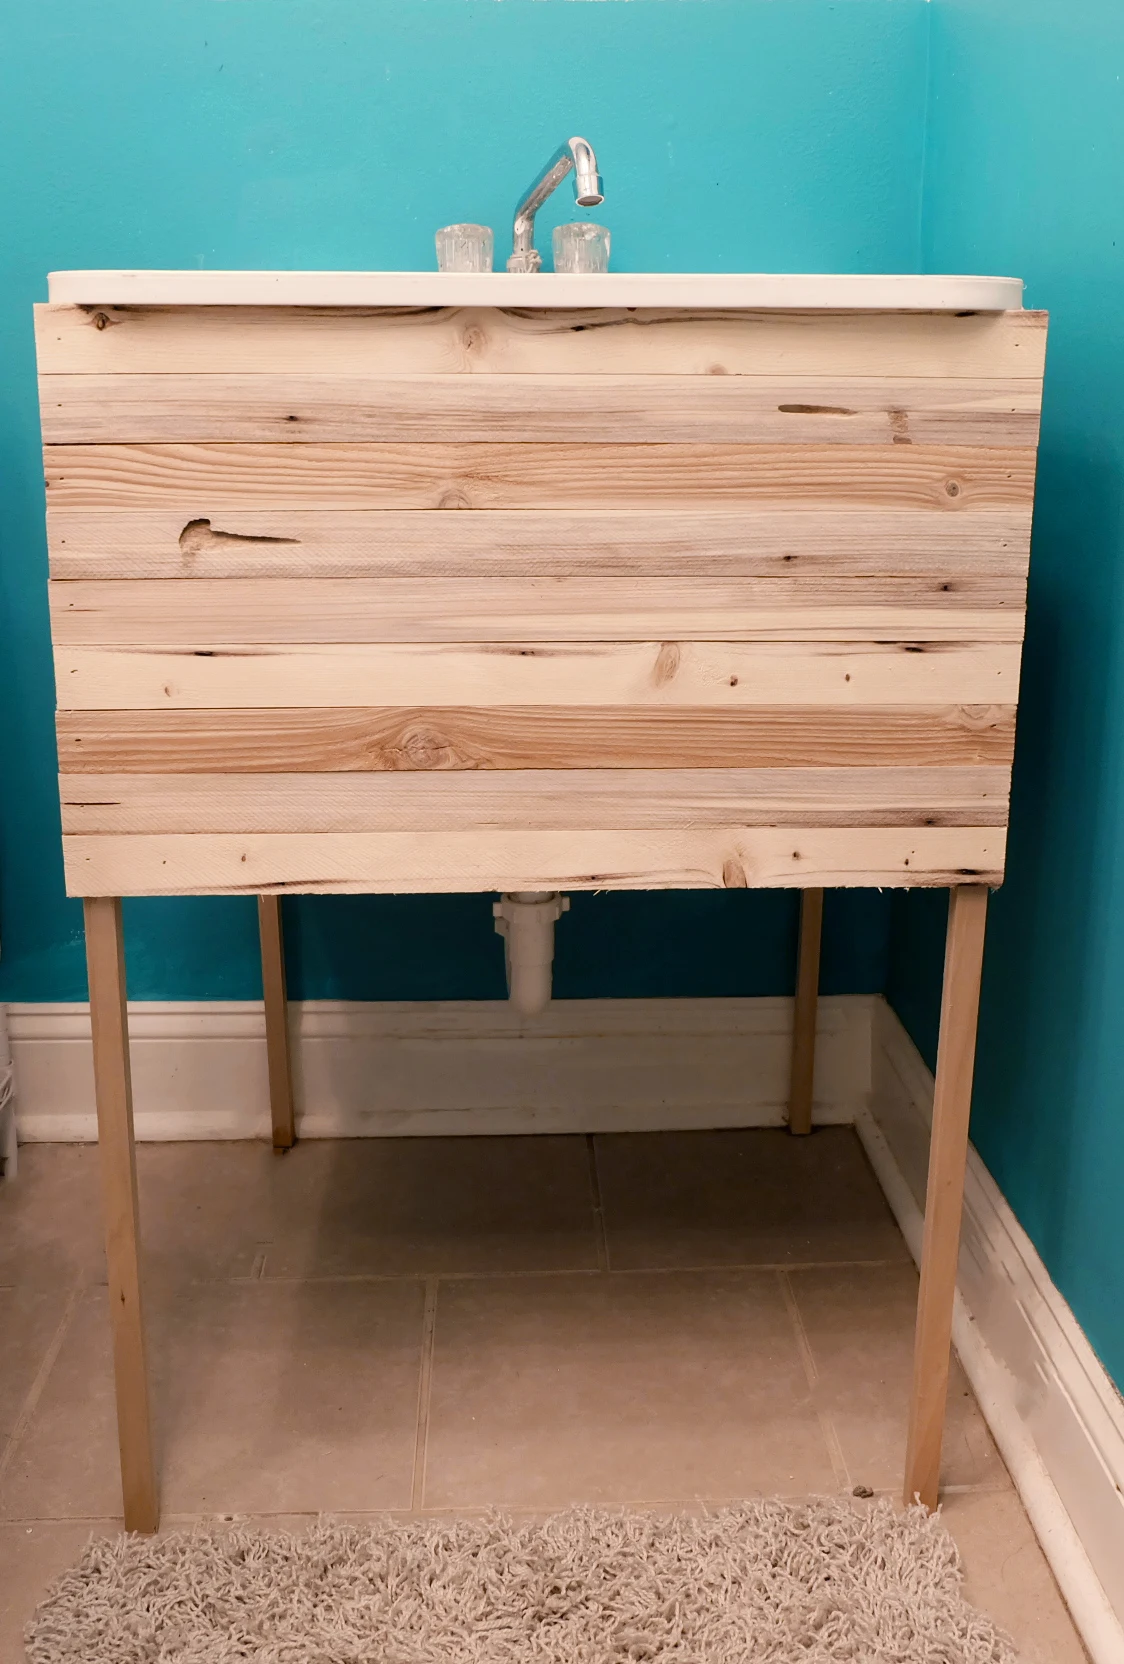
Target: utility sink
(749, 291)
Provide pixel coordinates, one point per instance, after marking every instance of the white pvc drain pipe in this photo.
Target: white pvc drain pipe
(526, 919)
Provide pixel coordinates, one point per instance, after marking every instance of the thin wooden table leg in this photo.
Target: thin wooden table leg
(948, 1154)
(278, 1059)
(105, 957)
(804, 1012)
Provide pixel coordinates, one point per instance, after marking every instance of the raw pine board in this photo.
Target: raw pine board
(665, 674)
(670, 510)
(477, 738)
(386, 543)
(601, 799)
(203, 478)
(384, 862)
(176, 612)
(239, 340)
(538, 409)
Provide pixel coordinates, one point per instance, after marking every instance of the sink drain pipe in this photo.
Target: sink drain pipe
(526, 919)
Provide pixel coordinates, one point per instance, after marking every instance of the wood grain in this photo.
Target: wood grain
(113, 1095)
(805, 1006)
(282, 1110)
(216, 340)
(174, 612)
(853, 410)
(242, 741)
(598, 799)
(372, 543)
(433, 862)
(203, 479)
(718, 674)
(944, 1197)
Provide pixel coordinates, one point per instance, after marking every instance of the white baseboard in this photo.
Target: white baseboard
(363, 1069)
(1054, 1412)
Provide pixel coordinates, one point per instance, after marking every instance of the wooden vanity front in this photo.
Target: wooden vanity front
(425, 598)
(440, 599)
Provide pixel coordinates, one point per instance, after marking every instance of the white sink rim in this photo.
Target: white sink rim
(753, 291)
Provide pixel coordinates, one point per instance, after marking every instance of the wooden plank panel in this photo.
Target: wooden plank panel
(202, 479)
(380, 862)
(265, 542)
(850, 410)
(595, 799)
(608, 736)
(541, 673)
(233, 340)
(172, 612)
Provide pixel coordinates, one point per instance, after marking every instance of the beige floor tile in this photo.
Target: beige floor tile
(267, 1397)
(31, 1557)
(433, 1205)
(859, 1324)
(741, 1198)
(1006, 1576)
(50, 1218)
(617, 1389)
(206, 1209)
(30, 1317)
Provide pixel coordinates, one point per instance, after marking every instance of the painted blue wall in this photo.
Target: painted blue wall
(1025, 174)
(733, 134)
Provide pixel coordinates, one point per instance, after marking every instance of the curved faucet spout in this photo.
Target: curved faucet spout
(575, 156)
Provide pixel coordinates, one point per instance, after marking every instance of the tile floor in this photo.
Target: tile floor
(457, 1323)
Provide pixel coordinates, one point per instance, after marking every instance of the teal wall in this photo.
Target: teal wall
(1025, 174)
(733, 134)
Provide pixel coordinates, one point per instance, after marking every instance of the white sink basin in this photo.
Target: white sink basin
(753, 290)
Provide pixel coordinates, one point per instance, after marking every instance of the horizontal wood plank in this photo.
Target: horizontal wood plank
(372, 543)
(203, 479)
(218, 340)
(663, 673)
(520, 738)
(595, 799)
(850, 410)
(378, 862)
(173, 612)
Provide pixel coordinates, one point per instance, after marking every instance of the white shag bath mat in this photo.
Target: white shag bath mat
(760, 1583)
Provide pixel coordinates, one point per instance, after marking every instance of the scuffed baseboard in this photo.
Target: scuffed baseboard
(1053, 1410)
(364, 1069)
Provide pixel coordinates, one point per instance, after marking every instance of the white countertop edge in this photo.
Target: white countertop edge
(755, 291)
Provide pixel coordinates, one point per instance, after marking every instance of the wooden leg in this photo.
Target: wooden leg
(948, 1154)
(804, 1012)
(113, 1090)
(278, 1058)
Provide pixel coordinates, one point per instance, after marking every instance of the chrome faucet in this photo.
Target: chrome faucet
(576, 154)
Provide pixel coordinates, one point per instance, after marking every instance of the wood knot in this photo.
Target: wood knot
(422, 748)
(733, 875)
(952, 488)
(666, 667)
(453, 498)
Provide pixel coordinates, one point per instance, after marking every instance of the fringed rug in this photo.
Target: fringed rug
(760, 1583)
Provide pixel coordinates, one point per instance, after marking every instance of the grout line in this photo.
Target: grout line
(425, 1381)
(763, 1266)
(803, 1344)
(812, 1376)
(35, 1391)
(835, 1451)
(168, 1519)
(598, 1205)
